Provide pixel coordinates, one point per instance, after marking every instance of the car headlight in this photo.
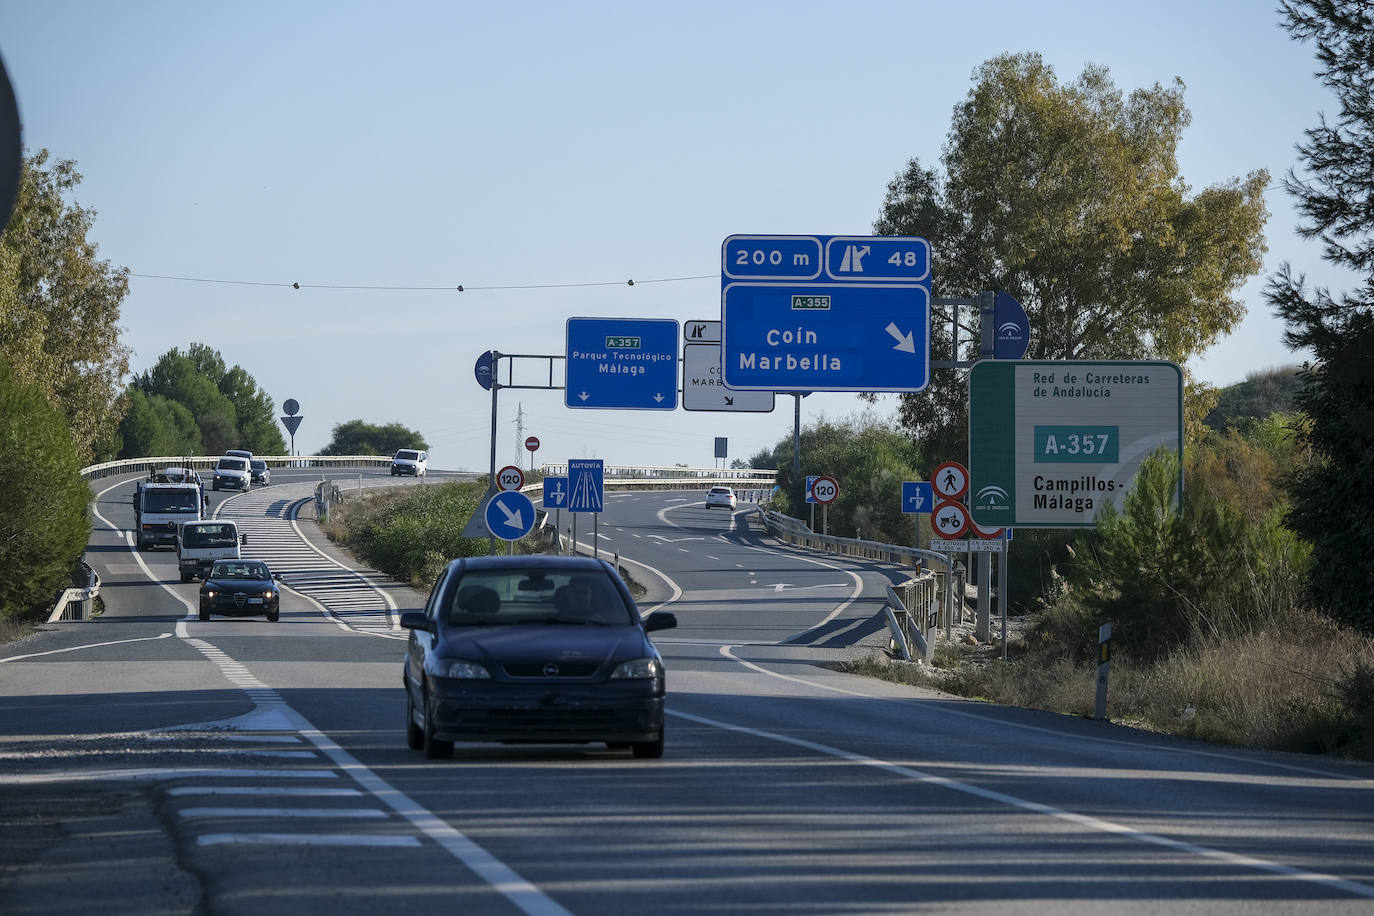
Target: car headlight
(210, 593)
(466, 670)
(269, 595)
(638, 669)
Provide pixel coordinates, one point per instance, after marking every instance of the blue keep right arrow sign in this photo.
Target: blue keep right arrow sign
(917, 496)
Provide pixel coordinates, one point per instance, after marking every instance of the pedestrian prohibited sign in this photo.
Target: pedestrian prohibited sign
(950, 480)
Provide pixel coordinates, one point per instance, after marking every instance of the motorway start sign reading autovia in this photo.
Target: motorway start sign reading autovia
(621, 363)
(1051, 441)
(825, 313)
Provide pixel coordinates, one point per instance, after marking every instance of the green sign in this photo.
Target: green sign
(622, 343)
(1051, 441)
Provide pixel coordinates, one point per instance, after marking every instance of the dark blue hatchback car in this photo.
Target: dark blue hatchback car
(543, 649)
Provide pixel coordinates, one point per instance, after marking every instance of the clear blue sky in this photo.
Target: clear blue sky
(432, 144)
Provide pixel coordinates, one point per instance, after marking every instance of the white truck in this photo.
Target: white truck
(200, 544)
(161, 508)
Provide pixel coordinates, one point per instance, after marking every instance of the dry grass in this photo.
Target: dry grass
(1306, 687)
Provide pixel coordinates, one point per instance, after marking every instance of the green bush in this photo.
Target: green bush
(410, 533)
(43, 524)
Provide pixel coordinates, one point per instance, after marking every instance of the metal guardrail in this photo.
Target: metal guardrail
(937, 596)
(72, 603)
(206, 462)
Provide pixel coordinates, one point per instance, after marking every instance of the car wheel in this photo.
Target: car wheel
(215, 487)
(204, 614)
(434, 748)
(186, 578)
(273, 615)
(415, 734)
(648, 750)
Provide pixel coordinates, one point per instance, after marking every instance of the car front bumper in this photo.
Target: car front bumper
(628, 711)
(228, 606)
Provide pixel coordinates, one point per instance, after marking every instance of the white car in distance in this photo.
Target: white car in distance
(720, 496)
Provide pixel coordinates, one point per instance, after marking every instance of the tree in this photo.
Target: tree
(59, 304)
(229, 408)
(358, 438)
(1068, 197)
(43, 524)
(1334, 505)
(869, 460)
(157, 426)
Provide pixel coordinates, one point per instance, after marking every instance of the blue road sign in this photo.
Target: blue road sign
(825, 313)
(621, 363)
(917, 496)
(1011, 337)
(585, 476)
(510, 515)
(485, 370)
(810, 479)
(555, 492)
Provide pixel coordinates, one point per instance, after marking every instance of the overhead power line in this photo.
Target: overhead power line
(460, 288)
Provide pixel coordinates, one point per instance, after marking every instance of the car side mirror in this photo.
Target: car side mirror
(660, 620)
(243, 539)
(276, 576)
(416, 620)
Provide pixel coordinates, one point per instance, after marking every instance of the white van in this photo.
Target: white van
(232, 472)
(409, 461)
(200, 544)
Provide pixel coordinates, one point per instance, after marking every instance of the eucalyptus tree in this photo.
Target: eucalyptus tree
(59, 304)
(1068, 196)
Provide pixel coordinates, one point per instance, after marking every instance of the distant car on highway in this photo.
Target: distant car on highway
(720, 496)
(240, 588)
(542, 648)
(233, 472)
(259, 471)
(409, 461)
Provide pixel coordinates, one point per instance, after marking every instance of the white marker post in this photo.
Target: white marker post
(1104, 664)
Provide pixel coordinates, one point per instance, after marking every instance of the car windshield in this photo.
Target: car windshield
(233, 464)
(239, 570)
(171, 501)
(259, 465)
(574, 597)
(216, 535)
(407, 456)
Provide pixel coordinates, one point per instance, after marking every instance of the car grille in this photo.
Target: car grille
(240, 599)
(562, 670)
(555, 720)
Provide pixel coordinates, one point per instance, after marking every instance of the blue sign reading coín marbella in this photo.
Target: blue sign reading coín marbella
(825, 313)
(621, 363)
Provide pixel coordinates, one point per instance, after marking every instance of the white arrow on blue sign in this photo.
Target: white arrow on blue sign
(917, 496)
(555, 492)
(825, 313)
(510, 515)
(621, 363)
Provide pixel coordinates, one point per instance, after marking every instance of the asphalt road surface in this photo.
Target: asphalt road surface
(151, 762)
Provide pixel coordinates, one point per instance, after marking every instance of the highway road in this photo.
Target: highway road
(151, 762)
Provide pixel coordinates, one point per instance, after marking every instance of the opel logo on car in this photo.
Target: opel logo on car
(550, 670)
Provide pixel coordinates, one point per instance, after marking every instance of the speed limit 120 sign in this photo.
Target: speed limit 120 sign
(510, 477)
(825, 490)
